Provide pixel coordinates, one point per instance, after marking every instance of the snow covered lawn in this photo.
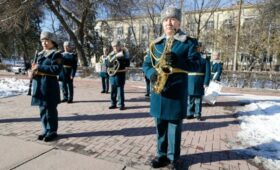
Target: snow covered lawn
(260, 130)
(12, 87)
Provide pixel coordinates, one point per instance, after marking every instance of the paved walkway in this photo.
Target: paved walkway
(123, 139)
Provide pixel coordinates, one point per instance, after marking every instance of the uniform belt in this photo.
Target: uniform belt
(178, 70)
(67, 66)
(119, 71)
(196, 74)
(44, 74)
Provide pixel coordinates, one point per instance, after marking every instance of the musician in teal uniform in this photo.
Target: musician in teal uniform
(103, 72)
(198, 80)
(118, 60)
(148, 86)
(68, 72)
(166, 65)
(216, 66)
(45, 88)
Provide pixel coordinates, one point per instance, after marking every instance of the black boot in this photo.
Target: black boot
(160, 162)
(50, 137)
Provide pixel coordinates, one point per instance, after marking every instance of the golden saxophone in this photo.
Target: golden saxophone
(163, 68)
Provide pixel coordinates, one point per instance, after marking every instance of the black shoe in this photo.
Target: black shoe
(199, 118)
(64, 100)
(107, 92)
(160, 162)
(147, 95)
(41, 137)
(112, 107)
(102, 91)
(70, 101)
(122, 108)
(175, 165)
(190, 117)
(50, 137)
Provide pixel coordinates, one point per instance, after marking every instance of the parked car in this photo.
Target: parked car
(18, 67)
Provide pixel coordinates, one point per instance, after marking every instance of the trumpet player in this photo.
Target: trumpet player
(118, 61)
(166, 65)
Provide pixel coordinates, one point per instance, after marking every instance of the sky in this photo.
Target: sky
(259, 123)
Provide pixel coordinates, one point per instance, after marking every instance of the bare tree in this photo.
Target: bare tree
(198, 10)
(19, 27)
(79, 17)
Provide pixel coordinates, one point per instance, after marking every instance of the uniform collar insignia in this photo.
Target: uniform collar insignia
(47, 53)
(180, 36)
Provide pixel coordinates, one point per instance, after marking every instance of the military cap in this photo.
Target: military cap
(115, 43)
(215, 53)
(49, 36)
(171, 12)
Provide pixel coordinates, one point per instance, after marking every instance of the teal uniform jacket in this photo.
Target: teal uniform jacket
(104, 63)
(199, 77)
(216, 67)
(171, 104)
(69, 61)
(119, 78)
(45, 87)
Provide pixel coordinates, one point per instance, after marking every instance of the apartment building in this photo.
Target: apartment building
(201, 24)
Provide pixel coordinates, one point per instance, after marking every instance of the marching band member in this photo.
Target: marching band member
(167, 64)
(118, 61)
(198, 80)
(103, 72)
(68, 72)
(45, 88)
(216, 66)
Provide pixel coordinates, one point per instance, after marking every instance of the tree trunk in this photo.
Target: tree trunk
(79, 48)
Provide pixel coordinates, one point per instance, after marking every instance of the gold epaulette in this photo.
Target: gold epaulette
(67, 66)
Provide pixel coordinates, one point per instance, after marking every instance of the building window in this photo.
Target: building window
(228, 23)
(120, 31)
(209, 25)
(158, 29)
(145, 29)
(130, 30)
(192, 26)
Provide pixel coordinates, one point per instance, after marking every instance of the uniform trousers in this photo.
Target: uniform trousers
(49, 119)
(168, 138)
(194, 106)
(68, 90)
(105, 84)
(117, 92)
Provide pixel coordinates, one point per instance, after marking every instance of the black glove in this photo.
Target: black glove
(171, 59)
(153, 77)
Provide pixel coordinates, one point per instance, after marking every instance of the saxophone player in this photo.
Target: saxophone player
(169, 103)
(118, 61)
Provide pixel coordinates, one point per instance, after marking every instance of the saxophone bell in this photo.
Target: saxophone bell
(166, 69)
